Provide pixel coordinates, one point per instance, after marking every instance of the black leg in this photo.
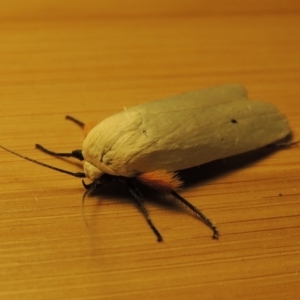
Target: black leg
(76, 153)
(207, 221)
(79, 123)
(139, 201)
(283, 145)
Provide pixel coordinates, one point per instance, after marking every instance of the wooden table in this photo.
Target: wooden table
(90, 60)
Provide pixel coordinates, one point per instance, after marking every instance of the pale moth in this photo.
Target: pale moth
(148, 143)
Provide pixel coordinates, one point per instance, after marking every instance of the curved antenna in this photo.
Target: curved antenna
(76, 174)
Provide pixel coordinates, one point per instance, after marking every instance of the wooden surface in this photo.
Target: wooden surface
(90, 60)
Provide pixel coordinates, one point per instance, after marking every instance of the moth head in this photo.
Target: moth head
(91, 171)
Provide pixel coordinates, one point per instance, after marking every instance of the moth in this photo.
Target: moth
(151, 142)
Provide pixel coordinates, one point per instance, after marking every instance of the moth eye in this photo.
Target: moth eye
(234, 121)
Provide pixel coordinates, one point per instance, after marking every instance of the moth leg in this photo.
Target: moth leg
(283, 145)
(75, 153)
(194, 209)
(139, 201)
(76, 121)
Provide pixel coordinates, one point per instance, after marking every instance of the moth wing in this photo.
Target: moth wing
(184, 131)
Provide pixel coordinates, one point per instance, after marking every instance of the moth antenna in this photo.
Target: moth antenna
(200, 214)
(75, 174)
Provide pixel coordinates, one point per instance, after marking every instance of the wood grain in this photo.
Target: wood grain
(90, 60)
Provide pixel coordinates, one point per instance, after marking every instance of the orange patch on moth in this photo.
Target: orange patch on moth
(161, 180)
(88, 127)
